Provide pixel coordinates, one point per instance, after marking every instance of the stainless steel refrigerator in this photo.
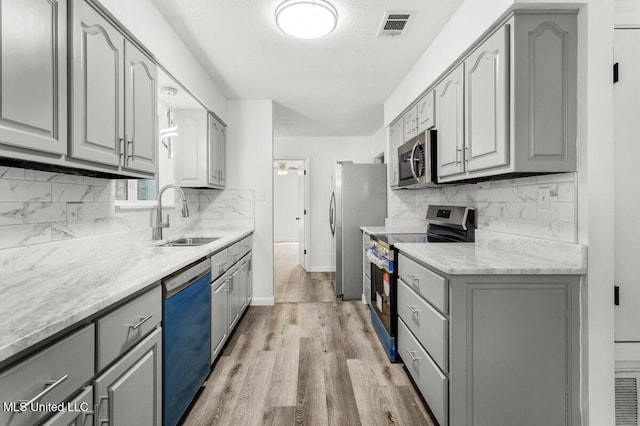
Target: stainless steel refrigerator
(359, 199)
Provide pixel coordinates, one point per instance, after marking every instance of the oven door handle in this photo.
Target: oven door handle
(412, 161)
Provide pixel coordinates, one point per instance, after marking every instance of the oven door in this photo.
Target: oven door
(382, 294)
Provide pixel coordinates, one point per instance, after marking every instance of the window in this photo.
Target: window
(136, 192)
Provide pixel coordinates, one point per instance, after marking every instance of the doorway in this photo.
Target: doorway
(290, 207)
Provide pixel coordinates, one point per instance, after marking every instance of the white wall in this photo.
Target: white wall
(379, 143)
(249, 167)
(285, 206)
(595, 162)
(147, 24)
(323, 152)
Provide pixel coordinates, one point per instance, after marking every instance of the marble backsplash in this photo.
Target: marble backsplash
(534, 206)
(41, 207)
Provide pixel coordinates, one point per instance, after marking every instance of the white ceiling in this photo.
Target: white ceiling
(332, 86)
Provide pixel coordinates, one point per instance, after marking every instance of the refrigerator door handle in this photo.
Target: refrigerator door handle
(332, 213)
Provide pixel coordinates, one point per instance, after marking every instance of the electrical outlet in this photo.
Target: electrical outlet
(74, 212)
(544, 195)
(261, 196)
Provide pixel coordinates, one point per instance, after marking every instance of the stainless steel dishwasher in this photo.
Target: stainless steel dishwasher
(186, 337)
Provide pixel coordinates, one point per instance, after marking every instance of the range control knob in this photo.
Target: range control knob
(372, 244)
(385, 252)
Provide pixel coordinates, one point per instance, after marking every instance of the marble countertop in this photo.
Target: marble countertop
(54, 286)
(493, 254)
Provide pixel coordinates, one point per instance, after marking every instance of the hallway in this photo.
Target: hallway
(308, 360)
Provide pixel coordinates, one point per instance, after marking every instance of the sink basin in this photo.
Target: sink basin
(189, 242)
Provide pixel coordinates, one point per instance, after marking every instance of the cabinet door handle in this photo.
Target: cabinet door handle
(142, 321)
(466, 154)
(413, 357)
(122, 152)
(413, 309)
(129, 150)
(51, 385)
(458, 151)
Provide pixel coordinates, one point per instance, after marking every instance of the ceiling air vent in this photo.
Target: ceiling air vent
(393, 24)
(626, 393)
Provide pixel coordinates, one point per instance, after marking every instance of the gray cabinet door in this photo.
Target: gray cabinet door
(234, 300)
(219, 308)
(97, 87)
(214, 152)
(410, 120)
(33, 74)
(426, 112)
(486, 103)
(130, 392)
(141, 105)
(222, 152)
(395, 136)
(80, 411)
(190, 160)
(450, 113)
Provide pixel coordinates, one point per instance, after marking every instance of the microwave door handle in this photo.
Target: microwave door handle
(412, 161)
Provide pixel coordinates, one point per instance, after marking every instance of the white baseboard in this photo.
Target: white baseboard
(262, 301)
(321, 269)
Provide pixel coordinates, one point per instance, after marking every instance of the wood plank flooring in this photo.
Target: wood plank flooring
(307, 361)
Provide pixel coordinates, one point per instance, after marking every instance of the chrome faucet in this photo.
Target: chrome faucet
(157, 229)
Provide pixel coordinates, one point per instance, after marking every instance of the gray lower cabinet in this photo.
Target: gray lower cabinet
(79, 411)
(219, 307)
(33, 65)
(231, 291)
(505, 352)
(130, 392)
(50, 376)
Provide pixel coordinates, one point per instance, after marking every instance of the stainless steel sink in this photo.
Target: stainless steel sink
(189, 242)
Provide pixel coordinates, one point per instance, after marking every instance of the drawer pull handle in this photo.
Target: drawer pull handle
(413, 277)
(413, 309)
(413, 357)
(142, 321)
(51, 385)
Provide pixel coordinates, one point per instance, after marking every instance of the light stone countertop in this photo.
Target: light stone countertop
(49, 287)
(501, 254)
(398, 229)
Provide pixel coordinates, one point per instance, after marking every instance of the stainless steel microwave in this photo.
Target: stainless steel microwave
(417, 161)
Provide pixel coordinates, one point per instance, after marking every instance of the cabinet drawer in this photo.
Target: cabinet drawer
(427, 284)
(57, 371)
(246, 245)
(117, 331)
(432, 383)
(220, 262)
(79, 411)
(234, 253)
(428, 325)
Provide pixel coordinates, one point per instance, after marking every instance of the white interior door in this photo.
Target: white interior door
(302, 218)
(627, 182)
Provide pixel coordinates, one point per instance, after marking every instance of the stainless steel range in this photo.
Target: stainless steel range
(447, 224)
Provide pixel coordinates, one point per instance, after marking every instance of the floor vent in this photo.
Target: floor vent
(626, 394)
(394, 24)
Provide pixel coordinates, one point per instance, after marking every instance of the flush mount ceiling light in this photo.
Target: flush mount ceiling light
(306, 18)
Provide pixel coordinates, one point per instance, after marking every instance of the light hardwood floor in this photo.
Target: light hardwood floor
(307, 361)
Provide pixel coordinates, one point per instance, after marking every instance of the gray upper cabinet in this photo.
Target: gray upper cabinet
(396, 135)
(450, 107)
(410, 120)
(426, 112)
(33, 83)
(486, 103)
(217, 163)
(517, 103)
(141, 103)
(190, 160)
(98, 88)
